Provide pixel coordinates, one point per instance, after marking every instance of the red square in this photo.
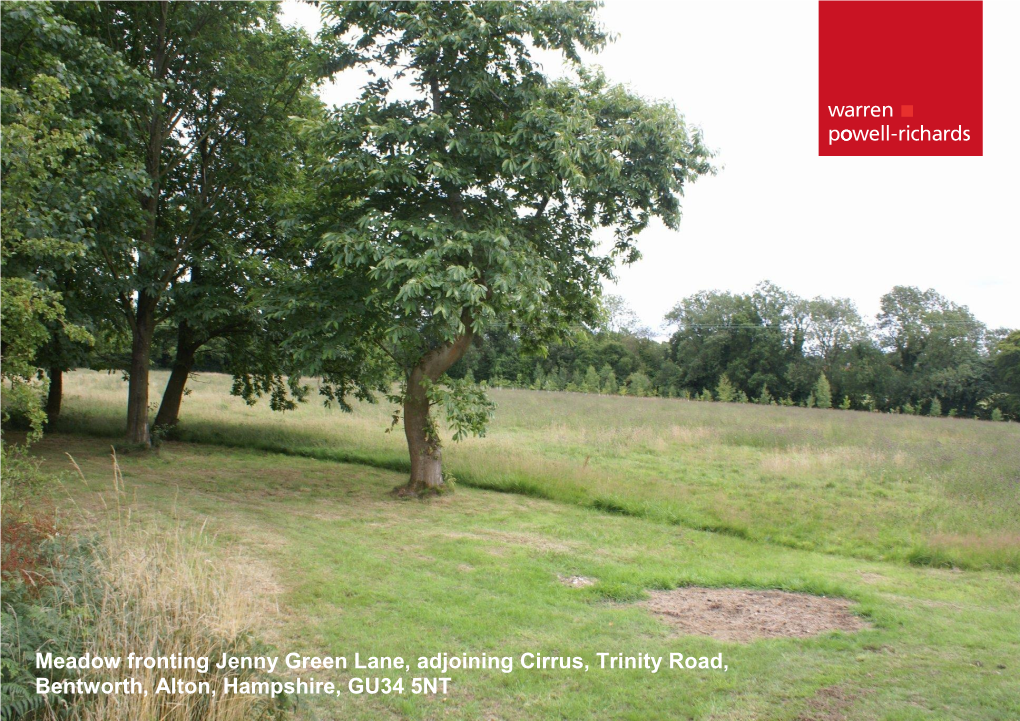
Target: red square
(873, 56)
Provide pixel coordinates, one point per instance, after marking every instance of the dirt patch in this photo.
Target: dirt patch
(733, 614)
(829, 704)
(577, 581)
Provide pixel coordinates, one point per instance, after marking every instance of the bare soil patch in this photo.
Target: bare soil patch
(830, 704)
(742, 615)
(577, 581)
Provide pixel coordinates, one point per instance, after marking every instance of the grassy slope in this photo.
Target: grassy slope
(931, 491)
(477, 571)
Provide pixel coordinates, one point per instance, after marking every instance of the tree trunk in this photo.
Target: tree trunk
(138, 380)
(170, 406)
(54, 396)
(422, 436)
(422, 440)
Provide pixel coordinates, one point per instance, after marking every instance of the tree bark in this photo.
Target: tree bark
(422, 438)
(54, 396)
(422, 441)
(184, 361)
(138, 379)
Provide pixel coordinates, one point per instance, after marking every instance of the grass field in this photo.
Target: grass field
(930, 491)
(825, 503)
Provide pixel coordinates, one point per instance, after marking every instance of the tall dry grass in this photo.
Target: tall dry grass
(163, 590)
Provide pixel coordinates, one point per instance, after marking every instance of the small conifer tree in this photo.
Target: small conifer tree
(823, 392)
(725, 392)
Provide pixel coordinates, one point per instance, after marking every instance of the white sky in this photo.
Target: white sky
(747, 73)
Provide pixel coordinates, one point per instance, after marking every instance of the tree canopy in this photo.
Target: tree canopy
(479, 199)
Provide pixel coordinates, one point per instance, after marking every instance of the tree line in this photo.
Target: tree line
(923, 354)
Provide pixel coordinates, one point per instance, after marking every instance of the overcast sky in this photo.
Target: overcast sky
(747, 73)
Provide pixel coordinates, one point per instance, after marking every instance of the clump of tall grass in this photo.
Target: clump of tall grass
(161, 590)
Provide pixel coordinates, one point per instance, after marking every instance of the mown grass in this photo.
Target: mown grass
(350, 568)
(928, 491)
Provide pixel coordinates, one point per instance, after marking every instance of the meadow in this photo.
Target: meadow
(929, 491)
(633, 495)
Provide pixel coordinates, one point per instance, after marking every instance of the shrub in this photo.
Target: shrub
(31, 616)
(638, 384)
(144, 588)
(936, 408)
(21, 475)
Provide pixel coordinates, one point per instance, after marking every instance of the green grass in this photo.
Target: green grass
(353, 569)
(927, 491)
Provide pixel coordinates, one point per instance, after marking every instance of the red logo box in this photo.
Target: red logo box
(902, 77)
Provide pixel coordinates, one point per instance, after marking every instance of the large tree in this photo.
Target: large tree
(751, 338)
(252, 161)
(834, 327)
(937, 346)
(65, 166)
(223, 77)
(479, 199)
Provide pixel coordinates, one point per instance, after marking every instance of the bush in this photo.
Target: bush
(638, 384)
(138, 588)
(36, 567)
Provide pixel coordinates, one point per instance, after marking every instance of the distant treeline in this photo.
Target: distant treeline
(923, 355)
